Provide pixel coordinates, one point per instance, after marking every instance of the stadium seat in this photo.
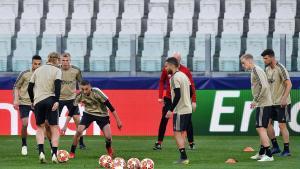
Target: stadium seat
(33, 9)
(55, 26)
(77, 47)
(7, 27)
(30, 26)
(105, 26)
(286, 9)
(183, 9)
(258, 26)
(233, 26)
(108, 9)
(229, 53)
(199, 53)
(134, 9)
(158, 9)
(234, 9)
(256, 43)
(209, 9)
(9, 9)
(101, 52)
(130, 26)
(83, 9)
(181, 44)
(80, 27)
(26, 46)
(151, 59)
(5, 50)
(157, 26)
(58, 9)
(284, 26)
(207, 26)
(260, 9)
(49, 44)
(182, 26)
(289, 48)
(122, 60)
(157, 22)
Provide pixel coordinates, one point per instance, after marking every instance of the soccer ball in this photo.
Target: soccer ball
(133, 163)
(147, 163)
(118, 163)
(105, 161)
(62, 156)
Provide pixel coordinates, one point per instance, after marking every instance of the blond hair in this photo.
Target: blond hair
(246, 56)
(53, 57)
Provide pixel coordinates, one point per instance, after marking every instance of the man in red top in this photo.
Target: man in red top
(165, 80)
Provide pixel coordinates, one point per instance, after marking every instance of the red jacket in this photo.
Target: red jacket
(165, 80)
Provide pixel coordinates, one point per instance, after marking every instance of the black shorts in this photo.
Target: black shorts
(181, 122)
(87, 119)
(24, 111)
(73, 110)
(43, 110)
(167, 105)
(281, 114)
(262, 116)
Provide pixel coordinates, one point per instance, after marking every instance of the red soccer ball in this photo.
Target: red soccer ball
(147, 163)
(133, 163)
(118, 163)
(62, 156)
(105, 161)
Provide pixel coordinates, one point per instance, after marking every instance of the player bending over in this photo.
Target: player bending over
(96, 104)
(262, 102)
(181, 92)
(44, 93)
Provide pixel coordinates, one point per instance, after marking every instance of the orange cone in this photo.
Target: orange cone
(231, 161)
(248, 149)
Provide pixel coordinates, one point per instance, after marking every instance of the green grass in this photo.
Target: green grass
(211, 153)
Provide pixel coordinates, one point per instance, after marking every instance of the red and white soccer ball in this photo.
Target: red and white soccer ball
(105, 161)
(62, 156)
(118, 163)
(147, 163)
(133, 163)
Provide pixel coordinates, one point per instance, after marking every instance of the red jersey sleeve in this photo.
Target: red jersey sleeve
(162, 82)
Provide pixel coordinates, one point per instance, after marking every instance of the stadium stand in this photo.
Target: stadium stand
(105, 35)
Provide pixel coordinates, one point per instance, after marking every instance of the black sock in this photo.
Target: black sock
(41, 148)
(268, 151)
(274, 143)
(24, 142)
(286, 147)
(54, 151)
(81, 140)
(50, 143)
(73, 148)
(183, 155)
(262, 150)
(108, 143)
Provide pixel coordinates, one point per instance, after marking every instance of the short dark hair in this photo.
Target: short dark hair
(36, 57)
(84, 83)
(269, 52)
(173, 61)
